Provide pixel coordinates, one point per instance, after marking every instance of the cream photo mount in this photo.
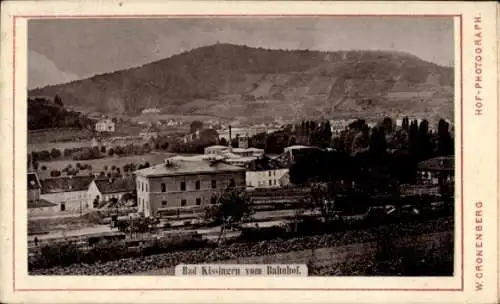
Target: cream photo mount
(476, 198)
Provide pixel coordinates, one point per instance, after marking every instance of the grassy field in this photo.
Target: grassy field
(99, 164)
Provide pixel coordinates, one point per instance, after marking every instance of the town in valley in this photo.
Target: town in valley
(232, 154)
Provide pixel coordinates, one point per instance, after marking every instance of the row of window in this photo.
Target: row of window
(272, 182)
(213, 200)
(273, 173)
(197, 185)
(144, 187)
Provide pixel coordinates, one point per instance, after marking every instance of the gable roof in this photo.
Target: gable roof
(265, 164)
(442, 163)
(66, 184)
(185, 165)
(40, 203)
(33, 181)
(115, 185)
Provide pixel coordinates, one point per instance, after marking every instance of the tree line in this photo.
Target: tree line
(44, 113)
(377, 158)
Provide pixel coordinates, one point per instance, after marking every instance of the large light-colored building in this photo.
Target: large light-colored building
(69, 193)
(181, 183)
(216, 149)
(105, 125)
(265, 173)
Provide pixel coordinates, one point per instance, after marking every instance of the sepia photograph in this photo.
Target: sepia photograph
(325, 142)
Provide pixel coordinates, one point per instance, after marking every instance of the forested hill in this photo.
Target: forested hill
(228, 80)
(46, 112)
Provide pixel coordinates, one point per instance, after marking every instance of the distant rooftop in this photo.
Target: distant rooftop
(40, 203)
(188, 165)
(115, 185)
(66, 184)
(442, 163)
(242, 150)
(217, 147)
(265, 164)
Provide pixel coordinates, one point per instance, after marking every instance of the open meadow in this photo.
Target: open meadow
(100, 164)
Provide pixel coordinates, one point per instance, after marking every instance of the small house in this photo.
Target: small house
(104, 189)
(69, 192)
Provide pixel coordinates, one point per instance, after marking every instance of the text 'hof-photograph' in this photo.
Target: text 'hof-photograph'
(242, 146)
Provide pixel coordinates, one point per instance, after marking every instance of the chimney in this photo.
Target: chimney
(230, 137)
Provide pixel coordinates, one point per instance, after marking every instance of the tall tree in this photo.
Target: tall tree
(378, 144)
(425, 147)
(195, 126)
(387, 125)
(406, 124)
(321, 199)
(445, 142)
(58, 101)
(232, 207)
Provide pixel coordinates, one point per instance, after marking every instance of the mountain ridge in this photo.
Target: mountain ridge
(229, 80)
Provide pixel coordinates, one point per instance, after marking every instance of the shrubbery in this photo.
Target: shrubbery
(68, 253)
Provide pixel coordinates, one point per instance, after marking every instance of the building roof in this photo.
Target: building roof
(33, 181)
(105, 120)
(66, 184)
(264, 164)
(243, 150)
(40, 203)
(115, 185)
(185, 166)
(217, 147)
(442, 163)
(246, 159)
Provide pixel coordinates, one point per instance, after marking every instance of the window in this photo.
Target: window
(183, 202)
(213, 200)
(183, 186)
(142, 187)
(163, 187)
(274, 173)
(231, 182)
(197, 185)
(269, 173)
(198, 201)
(63, 207)
(270, 182)
(164, 203)
(214, 184)
(275, 182)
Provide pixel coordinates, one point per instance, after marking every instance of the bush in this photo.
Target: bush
(55, 173)
(106, 251)
(57, 254)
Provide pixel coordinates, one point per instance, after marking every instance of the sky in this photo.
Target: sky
(69, 49)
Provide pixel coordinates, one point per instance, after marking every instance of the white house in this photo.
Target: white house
(105, 125)
(104, 189)
(265, 173)
(68, 193)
